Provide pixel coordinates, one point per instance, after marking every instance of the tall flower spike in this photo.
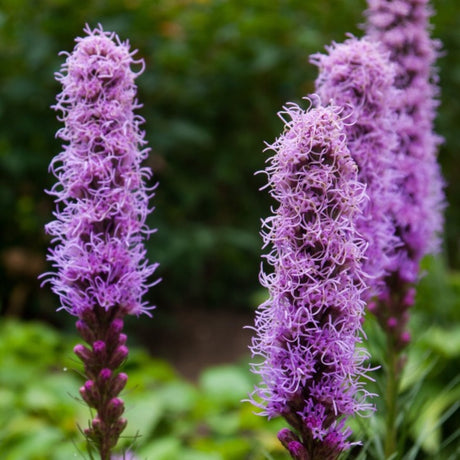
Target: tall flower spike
(402, 26)
(102, 204)
(358, 76)
(308, 331)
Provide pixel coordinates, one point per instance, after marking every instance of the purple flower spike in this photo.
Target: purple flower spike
(357, 75)
(402, 26)
(101, 197)
(308, 331)
(99, 227)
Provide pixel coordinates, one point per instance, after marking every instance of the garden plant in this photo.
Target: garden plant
(352, 346)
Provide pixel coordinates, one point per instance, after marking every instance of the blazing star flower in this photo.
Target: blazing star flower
(308, 331)
(358, 76)
(402, 26)
(102, 204)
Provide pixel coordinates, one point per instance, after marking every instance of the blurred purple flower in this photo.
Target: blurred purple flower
(358, 76)
(402, 27)
(308, 331)
(99, 227)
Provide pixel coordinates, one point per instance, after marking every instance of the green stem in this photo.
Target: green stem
(391, 397)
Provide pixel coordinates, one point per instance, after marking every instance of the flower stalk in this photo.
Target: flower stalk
(402, 28)
(308, 331)
(102, 204)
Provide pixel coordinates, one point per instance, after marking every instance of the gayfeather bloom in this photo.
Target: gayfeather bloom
(358, 76)
(308, 331)
(402, 26)
(102, 204)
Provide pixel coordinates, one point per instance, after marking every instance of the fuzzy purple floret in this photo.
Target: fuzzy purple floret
(308, 331)
(402, 26)
(358, 76)
(101, 197)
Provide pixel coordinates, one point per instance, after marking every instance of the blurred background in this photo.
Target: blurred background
(217, 72)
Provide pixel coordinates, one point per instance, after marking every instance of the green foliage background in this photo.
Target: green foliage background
(217, 73)
(173, 419)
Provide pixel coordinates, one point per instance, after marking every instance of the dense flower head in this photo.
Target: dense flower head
(308, 331)
(402, 26)
(102, 201)
(358, 76)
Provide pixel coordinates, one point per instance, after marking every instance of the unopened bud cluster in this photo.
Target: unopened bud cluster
(106, 352)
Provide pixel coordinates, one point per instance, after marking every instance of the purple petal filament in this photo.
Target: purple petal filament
(308, 331)
(100, 218)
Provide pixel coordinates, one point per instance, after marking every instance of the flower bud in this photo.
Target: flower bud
(116, 326)
(83, 353)
(409, 298)
(85, 331)
(115, 408)
(118, 356)
(90, 394)
(99, 350)
(392, 322)
(286, 436)
(119, 382)
(119, 426)
(97, 425)
(372, 306)
(405, 338)
(88, 315)
(297, 451)
(113, 333)
(104, 380)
